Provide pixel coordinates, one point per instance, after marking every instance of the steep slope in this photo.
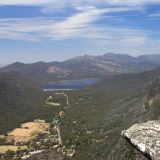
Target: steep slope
(104, 110)
(20, 100)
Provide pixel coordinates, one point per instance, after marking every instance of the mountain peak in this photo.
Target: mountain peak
(109, 54)
(15, 65)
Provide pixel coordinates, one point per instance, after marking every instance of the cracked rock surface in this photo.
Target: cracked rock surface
(145, 137)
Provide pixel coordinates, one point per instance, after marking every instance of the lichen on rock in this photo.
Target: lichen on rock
(145, 137)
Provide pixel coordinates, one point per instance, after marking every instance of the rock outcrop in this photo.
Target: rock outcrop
(57, 70)
(146, 138)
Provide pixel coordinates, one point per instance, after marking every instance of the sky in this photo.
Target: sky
(56, 30)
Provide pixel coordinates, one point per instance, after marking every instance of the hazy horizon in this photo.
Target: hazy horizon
(37, 30)
(16, 61)
(79, 79)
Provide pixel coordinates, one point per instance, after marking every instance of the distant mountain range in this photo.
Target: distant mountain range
(86, 66)
(101, 111)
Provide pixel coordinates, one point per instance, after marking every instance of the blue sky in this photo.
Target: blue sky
(50, 30)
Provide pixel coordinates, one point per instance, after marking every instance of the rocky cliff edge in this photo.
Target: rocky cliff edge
(146, 138)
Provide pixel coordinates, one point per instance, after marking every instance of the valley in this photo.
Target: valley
(79, 80)
(37, 136)
(80, 84)
(84, 123)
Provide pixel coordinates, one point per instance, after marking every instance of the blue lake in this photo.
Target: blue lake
(70, 85)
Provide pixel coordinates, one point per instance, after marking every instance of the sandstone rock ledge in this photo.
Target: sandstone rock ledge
(146, 138)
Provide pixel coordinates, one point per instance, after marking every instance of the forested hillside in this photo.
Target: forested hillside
(21, 100)
(97, 115)
(109, 107)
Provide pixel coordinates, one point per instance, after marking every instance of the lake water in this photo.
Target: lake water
(70, 85)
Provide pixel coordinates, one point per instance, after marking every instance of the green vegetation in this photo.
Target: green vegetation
(21, 100)
(96, 116)
(99, 114)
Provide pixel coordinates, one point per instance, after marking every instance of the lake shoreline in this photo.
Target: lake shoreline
(69, 85)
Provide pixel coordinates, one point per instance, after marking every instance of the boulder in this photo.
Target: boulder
(146, 138)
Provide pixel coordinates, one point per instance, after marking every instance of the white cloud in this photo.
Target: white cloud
(81, 26)
(62, 3)
(47, 28)
(77, 24)
(135, 40)
(106, 38)
(24, 2)
(157, 14)
(132, 2)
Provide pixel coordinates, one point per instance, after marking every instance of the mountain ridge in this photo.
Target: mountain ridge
(86, 66)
